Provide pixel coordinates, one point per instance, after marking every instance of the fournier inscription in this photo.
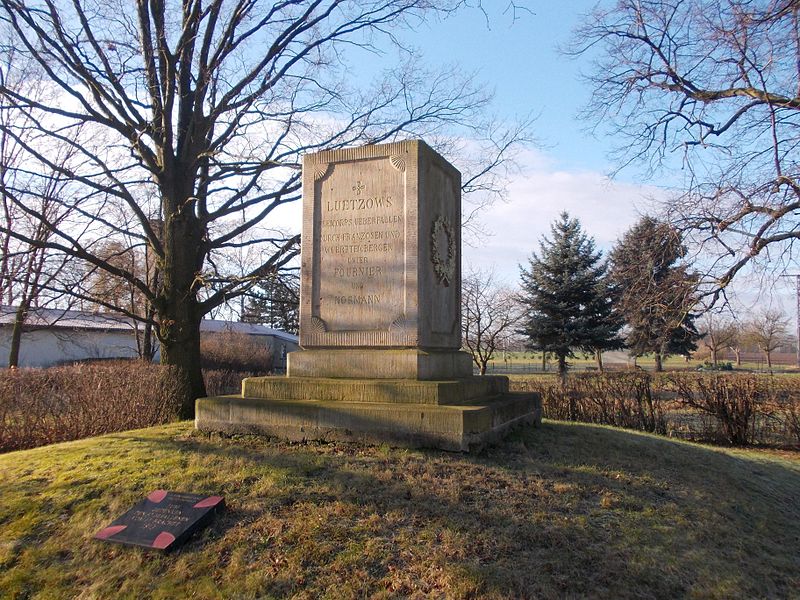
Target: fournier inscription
(361, 246)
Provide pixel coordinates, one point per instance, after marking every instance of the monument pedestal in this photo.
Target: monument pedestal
(457, 415)
(380, 316)
(399, 363)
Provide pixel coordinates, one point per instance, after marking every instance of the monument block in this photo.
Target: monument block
(381, 265)
(379, 259)
(380, 318)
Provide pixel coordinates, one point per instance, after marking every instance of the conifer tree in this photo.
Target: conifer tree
(275, 302)
(604, 320)
(657, 290)
(565, 296)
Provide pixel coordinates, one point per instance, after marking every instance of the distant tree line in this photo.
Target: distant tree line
(641, 297)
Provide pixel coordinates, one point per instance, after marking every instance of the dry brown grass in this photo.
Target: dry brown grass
(567, 510)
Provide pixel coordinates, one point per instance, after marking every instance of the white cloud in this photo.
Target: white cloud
(537, 196)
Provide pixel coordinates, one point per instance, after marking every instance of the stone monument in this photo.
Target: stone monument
(380, 322)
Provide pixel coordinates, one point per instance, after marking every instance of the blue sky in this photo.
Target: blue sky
(520, 61)
(569, 168)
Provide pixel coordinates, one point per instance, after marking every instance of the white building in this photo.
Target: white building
(54, 336)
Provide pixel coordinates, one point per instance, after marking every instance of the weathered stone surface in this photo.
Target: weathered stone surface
(406, 363)
(381, 240)
(380, 322)
(382, 391)
(457, 428)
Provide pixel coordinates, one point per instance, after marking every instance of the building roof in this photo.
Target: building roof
(98, 321)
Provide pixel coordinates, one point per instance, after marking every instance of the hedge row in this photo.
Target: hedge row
(737, 409)
(44, 406)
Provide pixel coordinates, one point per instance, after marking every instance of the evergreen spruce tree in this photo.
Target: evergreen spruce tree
(275, 302)
(657, 290)
(567, 301)
(604, 321)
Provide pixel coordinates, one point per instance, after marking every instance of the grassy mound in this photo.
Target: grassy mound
(565, 510)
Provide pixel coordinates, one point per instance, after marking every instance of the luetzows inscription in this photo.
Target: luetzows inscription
(361, 245)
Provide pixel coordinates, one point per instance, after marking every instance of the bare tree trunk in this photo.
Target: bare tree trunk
(16, 333)
(482, 367)
(180, 348)
(178, 308)
(738, 353)
(768, 355)
(544, 361)
(598, 355)
(714, 356)
(659, 365)
(147, 342)
(562, 367)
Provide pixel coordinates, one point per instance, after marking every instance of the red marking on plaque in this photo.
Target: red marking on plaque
(157, 496)
(109, 531)
(208, 502)
(163, 540)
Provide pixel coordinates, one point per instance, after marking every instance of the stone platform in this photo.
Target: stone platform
(457, 415)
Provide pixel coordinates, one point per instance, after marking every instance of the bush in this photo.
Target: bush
(733, 400)
(720, 366)
(44, 406)
(785, 400)
(221, 382)
(232, 351)
(619, 399)
(736, 409)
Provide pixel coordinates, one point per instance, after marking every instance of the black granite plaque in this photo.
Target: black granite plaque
(164, 520)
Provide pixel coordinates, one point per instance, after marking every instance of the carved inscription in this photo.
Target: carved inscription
(163, 520)
(361, 246)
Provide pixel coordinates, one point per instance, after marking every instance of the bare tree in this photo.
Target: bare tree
(711, 87)
(655, 290)
(196, 113)
(28, 268)
(768, 331)
(718, 333)
(489, 316)
(38, 267)
(736, 342)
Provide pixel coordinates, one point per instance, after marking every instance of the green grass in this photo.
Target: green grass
(562, 511)
(647, 362)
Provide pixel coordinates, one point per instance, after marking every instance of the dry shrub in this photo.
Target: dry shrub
(232, 351)
(732, 400)
(784, 410)
(737, 409)
(619, 399)
(44, 406)
(229, 357)
(625, 400)
(221, 382)
(789, 413)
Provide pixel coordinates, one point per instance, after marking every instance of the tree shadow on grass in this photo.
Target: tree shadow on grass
(563, 510)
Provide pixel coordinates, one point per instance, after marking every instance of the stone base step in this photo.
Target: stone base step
(380, 391)
(415, 425)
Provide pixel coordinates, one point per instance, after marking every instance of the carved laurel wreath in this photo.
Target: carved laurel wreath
(445, 269)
